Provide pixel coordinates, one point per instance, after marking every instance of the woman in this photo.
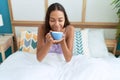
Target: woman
(55, 20)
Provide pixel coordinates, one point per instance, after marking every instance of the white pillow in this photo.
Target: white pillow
(80, 45)
(96, 43)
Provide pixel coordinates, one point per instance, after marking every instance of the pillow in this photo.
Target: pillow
(96, 43)
(86, 42)
(28, 41)
(80, 45)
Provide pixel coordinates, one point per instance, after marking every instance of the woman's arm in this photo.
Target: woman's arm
(67, 43)
(42, 46)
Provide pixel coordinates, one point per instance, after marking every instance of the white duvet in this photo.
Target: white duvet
(24, 66)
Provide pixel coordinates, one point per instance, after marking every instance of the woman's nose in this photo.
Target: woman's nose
(56, 23)
(57, 26)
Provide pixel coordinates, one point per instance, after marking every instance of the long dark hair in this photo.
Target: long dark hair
(53, 7)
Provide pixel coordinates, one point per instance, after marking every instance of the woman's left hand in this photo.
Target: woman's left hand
(59, 41)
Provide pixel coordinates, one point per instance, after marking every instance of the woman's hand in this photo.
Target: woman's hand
(59, 41)
(50, 39)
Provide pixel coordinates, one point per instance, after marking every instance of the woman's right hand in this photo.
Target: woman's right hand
(49, 38)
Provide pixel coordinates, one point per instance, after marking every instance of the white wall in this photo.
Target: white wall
(96, 11)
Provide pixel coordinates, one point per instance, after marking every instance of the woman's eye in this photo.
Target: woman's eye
(52, 20)
(60, 20)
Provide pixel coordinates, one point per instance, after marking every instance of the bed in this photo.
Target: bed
(88, 62)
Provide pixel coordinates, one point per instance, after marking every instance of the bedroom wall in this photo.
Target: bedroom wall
(4, 10)
(81, 12)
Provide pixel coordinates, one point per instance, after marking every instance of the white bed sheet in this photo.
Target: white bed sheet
(24, 66)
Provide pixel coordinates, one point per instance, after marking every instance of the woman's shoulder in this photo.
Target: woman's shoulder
(41, 30)
(69, 31)
(70, 28)
(42, 26)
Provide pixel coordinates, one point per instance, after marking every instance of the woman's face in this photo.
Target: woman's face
(57, 20)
